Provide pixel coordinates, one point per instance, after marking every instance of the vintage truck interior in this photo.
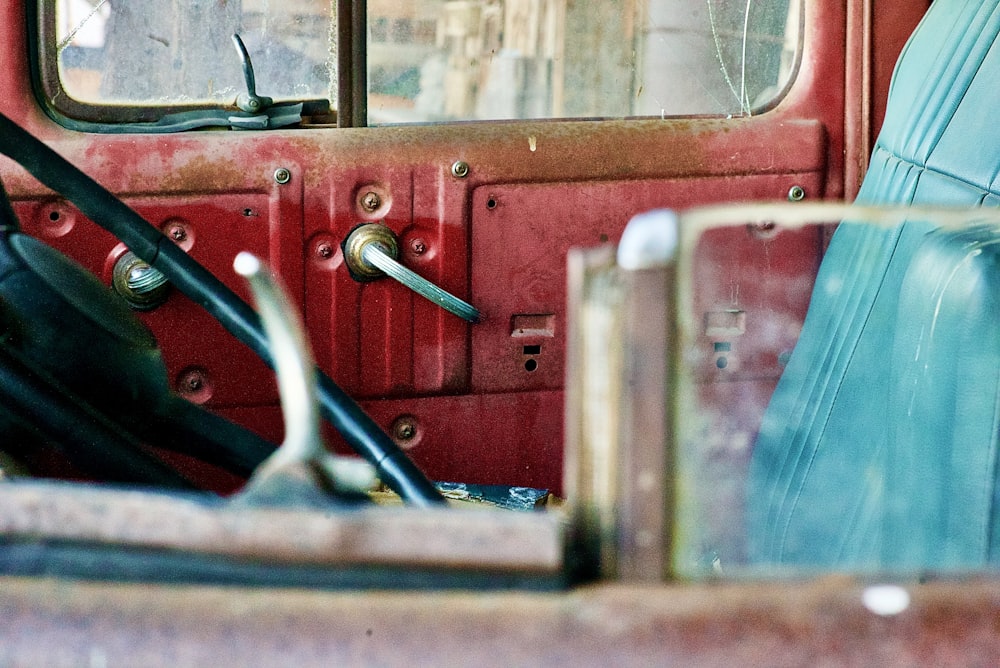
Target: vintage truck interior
(498, 331)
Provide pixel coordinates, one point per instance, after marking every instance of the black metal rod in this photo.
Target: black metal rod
(345, 89)
(352, 63)
(181, 426)
(359, 63)
(201, 286)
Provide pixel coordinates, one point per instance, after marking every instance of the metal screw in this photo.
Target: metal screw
(282, 175)
(404, 429)
(796, 194)
(460, 169)
(324, 250)
(371, 201)
(192, 381)
(177, 233)
(418, 246)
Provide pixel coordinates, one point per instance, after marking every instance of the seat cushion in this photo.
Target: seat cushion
(839, 459)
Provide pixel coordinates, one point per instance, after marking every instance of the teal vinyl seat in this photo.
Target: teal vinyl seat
(879, 448)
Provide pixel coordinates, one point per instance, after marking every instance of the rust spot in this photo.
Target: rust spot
(202, 174)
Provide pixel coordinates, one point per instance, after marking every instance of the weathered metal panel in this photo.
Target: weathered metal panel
(825, 622)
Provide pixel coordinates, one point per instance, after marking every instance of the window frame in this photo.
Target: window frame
(350, 109)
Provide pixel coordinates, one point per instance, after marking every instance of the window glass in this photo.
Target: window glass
(427, 60)
(431, 60)
(173, 53)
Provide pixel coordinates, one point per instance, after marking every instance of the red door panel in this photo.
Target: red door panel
(521, 234)
(471, 402)
(380, 339)
(205, 362)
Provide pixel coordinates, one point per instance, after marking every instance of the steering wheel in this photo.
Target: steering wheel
(46, 296)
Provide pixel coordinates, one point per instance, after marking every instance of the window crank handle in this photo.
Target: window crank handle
(370, 252)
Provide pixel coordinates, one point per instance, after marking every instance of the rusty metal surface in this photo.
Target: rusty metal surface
(427, 538)
(825, 622)
(419, 366)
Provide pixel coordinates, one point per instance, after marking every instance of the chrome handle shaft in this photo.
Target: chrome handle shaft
(301, 471)
(375, 256)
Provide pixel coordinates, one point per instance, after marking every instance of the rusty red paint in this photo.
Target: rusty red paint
(379, 341)
(399, 538)
(449, 378)
(825, 622)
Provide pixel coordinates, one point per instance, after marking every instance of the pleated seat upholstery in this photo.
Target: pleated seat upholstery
(879, 447)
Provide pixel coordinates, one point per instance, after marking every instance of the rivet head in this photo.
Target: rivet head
(796, 194)
(460, 169)
(282, 175)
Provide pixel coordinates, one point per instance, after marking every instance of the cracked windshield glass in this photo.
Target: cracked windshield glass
(441, 60)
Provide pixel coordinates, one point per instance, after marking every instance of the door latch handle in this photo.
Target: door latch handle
(371, 251)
